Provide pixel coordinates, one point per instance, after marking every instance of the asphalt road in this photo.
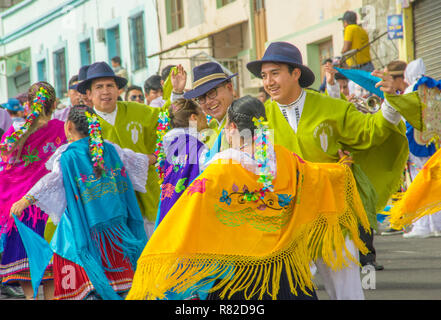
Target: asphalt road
(412, 270)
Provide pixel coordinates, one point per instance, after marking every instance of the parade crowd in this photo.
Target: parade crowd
(160, 192)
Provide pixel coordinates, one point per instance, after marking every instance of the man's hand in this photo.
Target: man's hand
(330, 73)
(387, 82)
(18, 207)
(153, 159)
(345, 158)
(179, 79)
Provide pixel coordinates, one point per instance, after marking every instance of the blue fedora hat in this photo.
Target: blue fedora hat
(283, 52)
(100, 70)
(13, 105)
(82, 75)
(206, 77)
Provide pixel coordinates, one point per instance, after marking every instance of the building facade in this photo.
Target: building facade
(234, 32)
(49, 40)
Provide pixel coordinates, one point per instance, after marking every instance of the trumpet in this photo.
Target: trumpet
(370, 105)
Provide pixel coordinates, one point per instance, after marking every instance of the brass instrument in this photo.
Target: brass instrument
(369, 105)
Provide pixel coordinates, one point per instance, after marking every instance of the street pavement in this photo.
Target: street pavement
(412, 270)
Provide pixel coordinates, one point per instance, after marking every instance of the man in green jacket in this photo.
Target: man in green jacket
(128, 124)
(316, 127)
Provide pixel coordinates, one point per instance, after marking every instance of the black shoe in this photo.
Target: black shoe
(378, 267)
(12, 292)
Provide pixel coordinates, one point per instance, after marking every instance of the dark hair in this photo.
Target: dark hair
(262, 90)
(131, 88)
(117, 60)
(180, 112)
(73, 80)
(396, 68)
(339, 76)
(244, 110)
(77, 115)
(152, 83)
(166, 72)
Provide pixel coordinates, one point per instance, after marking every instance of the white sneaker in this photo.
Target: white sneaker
(417, 235)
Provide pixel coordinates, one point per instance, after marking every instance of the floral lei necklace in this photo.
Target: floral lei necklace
(161, 131)
(266, 175)
(95, 140)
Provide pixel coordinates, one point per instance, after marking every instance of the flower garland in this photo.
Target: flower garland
(161, 131)
(35, 110)
(96, 140)
(266, 176)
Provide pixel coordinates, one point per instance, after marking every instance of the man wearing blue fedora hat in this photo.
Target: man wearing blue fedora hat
(129, 124)
(212, 89)
(317, 127)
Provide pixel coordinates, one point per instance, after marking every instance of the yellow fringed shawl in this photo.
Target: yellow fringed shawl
(213, 233)
(423, 197)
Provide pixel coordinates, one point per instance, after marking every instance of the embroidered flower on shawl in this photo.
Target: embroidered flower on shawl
(198, 186)
(225, 197)
(167, 191)
(180, 186)
(284, 200)
(50, 147)
(31, 157)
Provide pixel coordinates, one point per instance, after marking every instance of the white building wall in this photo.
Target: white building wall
(77, 21)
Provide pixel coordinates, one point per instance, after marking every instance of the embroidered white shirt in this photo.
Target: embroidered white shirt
(293, 111)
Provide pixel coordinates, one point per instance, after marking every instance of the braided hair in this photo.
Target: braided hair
(43, 95)
(77, 115)
(244, 110)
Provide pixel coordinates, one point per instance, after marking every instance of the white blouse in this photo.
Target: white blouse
(50, 194)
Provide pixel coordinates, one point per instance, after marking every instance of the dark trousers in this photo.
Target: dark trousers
(368, 240)
(284, 292)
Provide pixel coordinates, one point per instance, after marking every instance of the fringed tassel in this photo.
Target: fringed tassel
(255, 277)
(327, 233)
(399, 218)
(323, 237)
(120, 239)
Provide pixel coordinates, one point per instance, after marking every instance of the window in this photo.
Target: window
(60, 72)
(85, 52)
(113, 42)
(137, 40)
(175, 15)
(222, 3)
(41, 70)
(5, 4)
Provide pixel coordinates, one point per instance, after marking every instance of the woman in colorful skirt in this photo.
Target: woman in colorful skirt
(252, 222)
(90, 196)
(183, 152)
(24, 156)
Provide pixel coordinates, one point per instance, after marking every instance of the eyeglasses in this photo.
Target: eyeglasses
(134, 98)
(212, 94)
